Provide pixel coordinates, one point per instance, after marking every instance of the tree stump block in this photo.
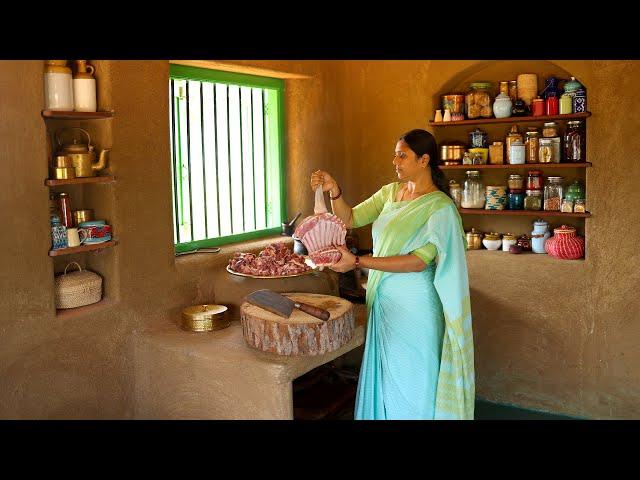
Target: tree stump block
(300, 334)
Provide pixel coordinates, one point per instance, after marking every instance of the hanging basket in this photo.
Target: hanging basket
(76, 289)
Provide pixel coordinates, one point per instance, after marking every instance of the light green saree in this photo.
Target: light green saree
(418, 357)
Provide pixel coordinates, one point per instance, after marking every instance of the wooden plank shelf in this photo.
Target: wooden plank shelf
(77, 115)
(541, 118)
(82, 248)
(515, 166)
(50, 182)
(529, 213)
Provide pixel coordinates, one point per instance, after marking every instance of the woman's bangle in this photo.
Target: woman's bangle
(337, 196)
(357, 262)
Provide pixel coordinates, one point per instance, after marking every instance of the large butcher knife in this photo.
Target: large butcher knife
(283, 306)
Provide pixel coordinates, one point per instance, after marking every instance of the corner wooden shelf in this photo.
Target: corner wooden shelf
(82, 248)
(516, 166)
(541, 118)
(77, 115)
(528, 213)
(50, 182)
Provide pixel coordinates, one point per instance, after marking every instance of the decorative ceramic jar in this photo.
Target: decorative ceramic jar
(496, 197)
(474, 239)
(478, 139)
(519, 108)
(524, 241)
(580, 101)
(565, 244)
(492, 241)
(502, 106)
(508, 239)
(539, 236)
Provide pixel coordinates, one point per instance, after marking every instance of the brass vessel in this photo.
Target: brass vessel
(452, 153)
(205, 318)
(474, 239)
(80, 216)
(82, 155)
(64, 173)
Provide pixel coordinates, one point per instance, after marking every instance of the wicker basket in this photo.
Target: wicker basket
(76, 289)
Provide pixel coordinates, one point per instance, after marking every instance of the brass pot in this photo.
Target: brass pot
(205, 318)
(64, 173)
(474, 239)
(63, 161)
(452, 153)
(80, 216)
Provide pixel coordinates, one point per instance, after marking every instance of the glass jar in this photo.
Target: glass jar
(64, 206)
(575, 142)
(512, 136)
(455, 190)
(534, 180)
(549, 150)
(531, 145)
(533, 200)
(553, 194)
(517, 153)
(478, 100)
(579, 206)
(567, 206)
(537, 107)
(516, 199)
(515, 182)
(473, 192)
(513, 90)
(550, 129)
(466, 159)
(496, 156)
(504, 87)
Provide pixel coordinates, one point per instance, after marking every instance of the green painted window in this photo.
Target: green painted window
(227, 156)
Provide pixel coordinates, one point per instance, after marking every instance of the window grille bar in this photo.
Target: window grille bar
(189, 165)
(174, 160)
(215, 151)
(264, 157)
(229, 161)
(253, 166)
(244, 224)
(204, 161)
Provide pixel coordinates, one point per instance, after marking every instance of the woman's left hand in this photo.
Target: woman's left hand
(347, 261)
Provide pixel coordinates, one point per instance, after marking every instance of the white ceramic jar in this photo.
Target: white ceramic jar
(517, 153)
(492, 241)
(58, 86)
(84, 88)
(502, 106)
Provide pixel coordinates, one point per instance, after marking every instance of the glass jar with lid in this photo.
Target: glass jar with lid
(515, 182)
(533, 200)
(534, 180)
(549, 150)
(531, 143)
(478, 100)
(455, 190)
(575, 142)
(550, 129)
(553, 194)
(473, 192)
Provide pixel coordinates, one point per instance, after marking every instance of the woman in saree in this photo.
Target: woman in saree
(418, 356)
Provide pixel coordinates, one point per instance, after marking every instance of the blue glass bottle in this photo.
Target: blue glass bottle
(58, 233)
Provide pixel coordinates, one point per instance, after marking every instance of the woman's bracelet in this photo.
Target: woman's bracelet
(337, 196)
(357, 262)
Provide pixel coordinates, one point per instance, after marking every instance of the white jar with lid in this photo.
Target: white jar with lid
(517, 153)
(58, 86)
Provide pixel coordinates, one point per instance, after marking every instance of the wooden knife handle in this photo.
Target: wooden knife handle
(314, 311)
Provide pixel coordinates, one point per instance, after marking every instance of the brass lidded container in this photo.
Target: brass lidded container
(474, 239)
(80, 216)
(205, 318)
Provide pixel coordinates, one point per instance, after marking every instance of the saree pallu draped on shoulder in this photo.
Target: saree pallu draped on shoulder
(403, 313)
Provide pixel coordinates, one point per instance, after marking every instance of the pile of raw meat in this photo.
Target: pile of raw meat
(321, 232)
(274, 261)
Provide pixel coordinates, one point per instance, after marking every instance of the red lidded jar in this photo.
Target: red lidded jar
(537, 107)
(534, 180)
(552, 106)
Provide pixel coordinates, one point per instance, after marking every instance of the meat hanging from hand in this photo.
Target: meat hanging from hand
(321, 232)
(275, 260)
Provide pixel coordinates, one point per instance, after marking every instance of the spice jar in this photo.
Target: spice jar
(517, 153)
(575, 142)
(534, 180)
(512, 136)
(473, 192)
(579, 206)
(550, 129)
(478, 100)
(455, 190)
(553, 194)
(515, 182)
(64, 206)
(516, 199)
(496, 151)
(533, 200)
(567, 206)
(531, 145)
(537, 107)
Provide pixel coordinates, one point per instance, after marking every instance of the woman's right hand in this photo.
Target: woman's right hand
(320, 177)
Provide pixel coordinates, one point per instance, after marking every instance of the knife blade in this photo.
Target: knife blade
(283, 306)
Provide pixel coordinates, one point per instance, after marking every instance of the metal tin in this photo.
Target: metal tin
(452, 153)
(474, 239)
(80, 216)
(64, 173)
(454, 102)
(205, 318)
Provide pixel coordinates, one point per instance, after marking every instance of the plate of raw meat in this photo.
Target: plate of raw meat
(277, 260)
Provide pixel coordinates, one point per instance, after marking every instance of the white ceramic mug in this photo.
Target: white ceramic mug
(76, 237)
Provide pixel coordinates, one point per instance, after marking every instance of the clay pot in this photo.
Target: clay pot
(565, 244)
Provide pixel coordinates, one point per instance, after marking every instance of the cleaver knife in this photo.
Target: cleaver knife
(283, 306)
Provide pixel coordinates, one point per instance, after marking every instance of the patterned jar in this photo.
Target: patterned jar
(496, 197)
(565, 244)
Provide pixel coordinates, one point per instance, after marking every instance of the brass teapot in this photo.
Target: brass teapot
(82, 155)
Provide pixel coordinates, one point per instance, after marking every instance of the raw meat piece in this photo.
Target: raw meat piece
(326, 256)
(274, 261)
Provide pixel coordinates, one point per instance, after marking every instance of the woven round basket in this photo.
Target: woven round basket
(76, 289)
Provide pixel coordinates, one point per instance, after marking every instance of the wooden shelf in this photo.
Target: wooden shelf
(68, 313)
(77, 115)
(529, 213)
(50, 182)
(83, 248)
(542, 118)
(512, 166)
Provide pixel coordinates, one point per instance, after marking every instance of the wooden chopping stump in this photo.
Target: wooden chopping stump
(300, 334)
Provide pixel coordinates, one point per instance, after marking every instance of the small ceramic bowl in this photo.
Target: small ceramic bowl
(491, 244)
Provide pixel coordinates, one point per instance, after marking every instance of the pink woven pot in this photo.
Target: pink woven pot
(565, 244)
